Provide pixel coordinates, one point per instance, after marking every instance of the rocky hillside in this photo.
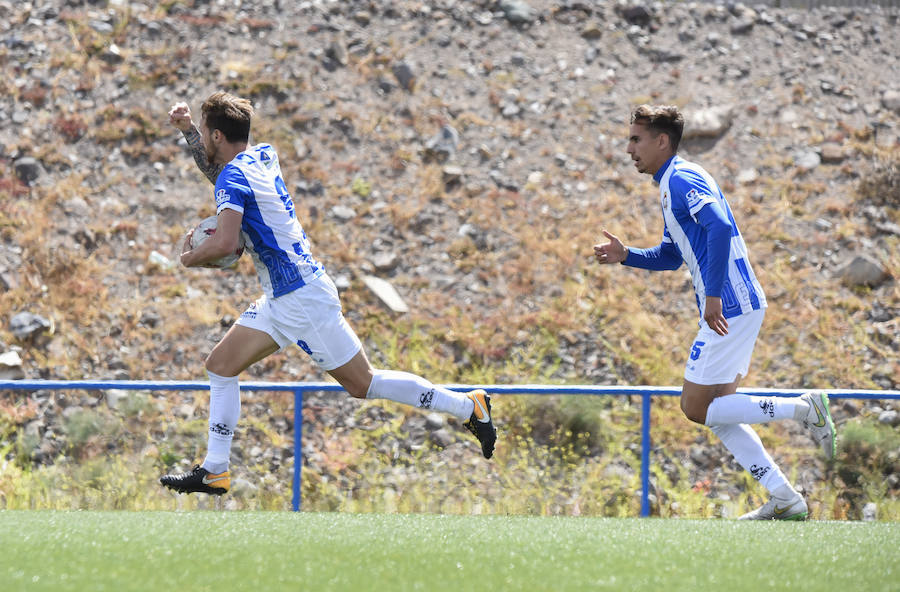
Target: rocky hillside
(468, 153)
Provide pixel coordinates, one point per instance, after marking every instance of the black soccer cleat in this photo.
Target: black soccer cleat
(198, 480)
(481, 423)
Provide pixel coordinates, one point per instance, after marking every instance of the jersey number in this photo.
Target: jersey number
(285, 197)
(695, 349)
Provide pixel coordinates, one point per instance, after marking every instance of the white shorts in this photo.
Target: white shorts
(309, 317)
(719, 359)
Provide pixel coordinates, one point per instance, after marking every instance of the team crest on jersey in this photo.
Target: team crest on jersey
(221, 197)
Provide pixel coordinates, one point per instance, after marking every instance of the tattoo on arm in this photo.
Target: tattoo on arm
(211, 170)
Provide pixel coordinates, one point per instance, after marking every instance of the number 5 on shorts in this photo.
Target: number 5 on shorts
(695, 350)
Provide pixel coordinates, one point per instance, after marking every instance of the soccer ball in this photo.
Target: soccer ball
(206, 229)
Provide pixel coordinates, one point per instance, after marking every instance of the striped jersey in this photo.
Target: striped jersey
(252, 184)
(700, 230)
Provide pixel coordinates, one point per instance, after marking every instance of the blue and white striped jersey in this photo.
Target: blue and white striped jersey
(252, 184)
(700, 230)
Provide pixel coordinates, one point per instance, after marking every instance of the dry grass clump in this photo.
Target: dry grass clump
(880, 185)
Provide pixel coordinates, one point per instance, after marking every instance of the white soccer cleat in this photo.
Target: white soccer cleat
(820, 423)
(791, 508)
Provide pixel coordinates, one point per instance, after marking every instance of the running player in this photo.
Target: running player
(699, 230)
(300, 303)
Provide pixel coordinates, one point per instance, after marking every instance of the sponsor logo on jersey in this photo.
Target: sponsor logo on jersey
(665, 199)
(694, 197)
(221, 197)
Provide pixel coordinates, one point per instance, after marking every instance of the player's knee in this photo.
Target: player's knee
(694, 412)
(358, 394)
(214, 365)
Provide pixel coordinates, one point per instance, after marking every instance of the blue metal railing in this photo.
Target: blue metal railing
(298, 388)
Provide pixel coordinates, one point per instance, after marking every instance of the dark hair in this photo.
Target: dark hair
(228, 114)
(663, 119)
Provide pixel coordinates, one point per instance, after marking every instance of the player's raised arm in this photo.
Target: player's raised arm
(180, 118)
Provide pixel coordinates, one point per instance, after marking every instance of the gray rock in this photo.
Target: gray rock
(637, 15)
(114, 397)
(28, 170)
(26, 325)
(386, 293)
(832, 153)
(342, 282)
(708, 123)
(452, 174)
(11, 366)
(241, 487)
(510, 110)
(863, 271)
(442, 438)
(807, 160)
(343, 213)
(518, 12)
(742, 27)
(112, 55)
(405, 76)
(434, 421)
(442, 146)
(591, 32)
(870, 512)
(701, 456)
(747, 176)
(101, 27)
(889, 417)
(336, 54)
(891, 100)
(385, 261)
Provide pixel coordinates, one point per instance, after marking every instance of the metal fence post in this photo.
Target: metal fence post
(298, 446)
(645, 454)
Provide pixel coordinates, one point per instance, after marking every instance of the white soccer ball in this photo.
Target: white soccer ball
(206, 229)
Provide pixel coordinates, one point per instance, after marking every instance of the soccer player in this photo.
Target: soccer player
(699, 230)
(300, 303)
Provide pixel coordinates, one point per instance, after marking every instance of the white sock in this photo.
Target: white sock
(224, 411)
(785, 492)
(752, 409)
(410, 389)
(743, 442)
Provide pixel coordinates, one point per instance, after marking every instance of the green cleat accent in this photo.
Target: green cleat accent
(820, 423)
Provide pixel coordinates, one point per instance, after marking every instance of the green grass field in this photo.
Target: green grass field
(263, 551)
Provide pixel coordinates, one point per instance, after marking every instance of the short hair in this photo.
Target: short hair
(663, 119)
(228, 114)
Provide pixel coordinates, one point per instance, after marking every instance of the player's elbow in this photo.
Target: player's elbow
(671, 259)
